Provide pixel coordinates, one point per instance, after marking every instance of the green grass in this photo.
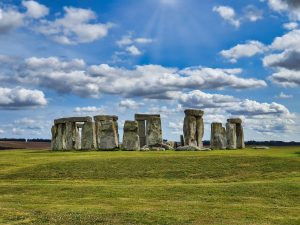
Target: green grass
(218, 187)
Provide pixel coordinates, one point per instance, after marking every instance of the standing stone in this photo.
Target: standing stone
(88, 136)
(218, 136)
(231, 135)
(131, 140)
(240, 143)
(189, 130)
(240, 136)
(142, 132)
(181, 140)
(72, 136)
(200, 131)
(61, 136)
(107, 135)
(54, 140)
(193, 127)
(154, 131)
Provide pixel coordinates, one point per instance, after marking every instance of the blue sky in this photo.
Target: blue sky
(228, 58)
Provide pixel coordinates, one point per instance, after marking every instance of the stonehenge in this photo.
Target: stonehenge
(143, 133)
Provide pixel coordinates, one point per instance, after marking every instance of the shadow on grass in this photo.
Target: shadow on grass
(297, 153)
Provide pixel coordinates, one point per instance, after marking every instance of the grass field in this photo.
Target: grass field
(218, 187)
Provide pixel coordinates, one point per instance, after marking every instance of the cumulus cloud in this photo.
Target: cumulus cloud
(10, 19)
(249, 49)
(288, 59)
(16, 98)
(35, 9)
(74, 27)
(133, 50)
(286, 63)
(150, 81)
(290, 26)
(130, 104)
(132, 45)
(286, 78)
(228, 14)
(292, 7)
(252, 13)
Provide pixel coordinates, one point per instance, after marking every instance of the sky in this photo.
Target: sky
(121, 57)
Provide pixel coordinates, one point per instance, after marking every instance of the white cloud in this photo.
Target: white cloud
(133, 50)
(292, 7)
(252, 13)
(249, 49)
(284, 96)
(228, 14)
(20, 97)
(35, 9)
(74, 27)
(287, 41)
(149, 81)
(290, 26)
(10, 19)
(130, 104)
(286, 78)
(288, 59)
(89, 109)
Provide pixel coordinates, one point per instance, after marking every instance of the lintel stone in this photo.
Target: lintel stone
(145, 116)
(105, 118)
(234, 120)
(73, 120)
(194, 112)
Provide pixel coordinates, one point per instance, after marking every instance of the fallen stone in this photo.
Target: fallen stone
(188, 148)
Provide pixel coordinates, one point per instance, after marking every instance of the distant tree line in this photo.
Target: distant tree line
(25, 140)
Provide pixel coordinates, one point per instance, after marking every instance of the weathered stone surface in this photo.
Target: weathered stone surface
(131, 140)
(231, 135)
(189, 130)
(107, 135)
(54, 140)
(145, 116)
(105, 118)
(188, 148)
(172, 144)
(218, 136)
(61, 136)
(234, 120)
(194, 112)
(199, 131)
(73, 119)
(88, 136)
(181, 140)
(240, 143)
(154, 131)
(157, 149)
(72, 136)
